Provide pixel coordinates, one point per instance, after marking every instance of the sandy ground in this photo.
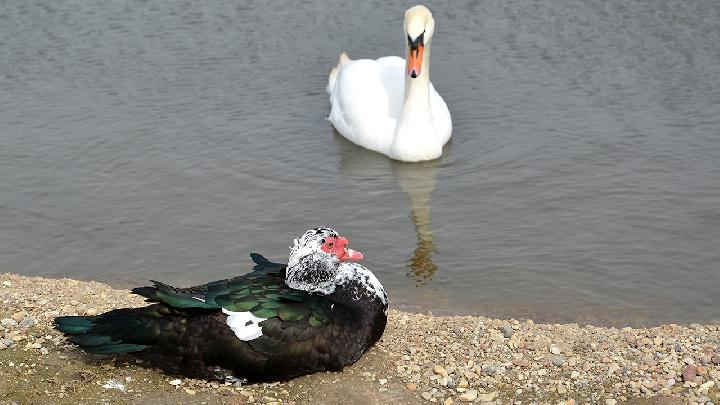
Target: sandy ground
(421, 358)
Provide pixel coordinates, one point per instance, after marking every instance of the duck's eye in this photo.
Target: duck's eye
(330, 245)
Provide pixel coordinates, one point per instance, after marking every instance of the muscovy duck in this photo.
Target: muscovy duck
(320, 312)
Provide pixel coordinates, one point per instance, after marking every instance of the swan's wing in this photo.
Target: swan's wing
(441, 115)
(366, 101)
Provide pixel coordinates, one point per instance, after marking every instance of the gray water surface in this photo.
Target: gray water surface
(167, 140)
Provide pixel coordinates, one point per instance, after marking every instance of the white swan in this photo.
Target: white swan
(389, 105)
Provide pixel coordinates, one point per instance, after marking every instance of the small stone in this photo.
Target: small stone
(7, 284)
(554, 350)
(7, 323)
(507, 330)
(411, 387)
(35, 346)
(18, 338)
(440, 370)
(521, 363)
(382, 381)
(487, 397)
(690, 372)
(426, 395)
(91, 312)
(561, 390)
(27, 322)
(8, 342)
(558, 361)
(703, 388)
(175, 382)
(670, 382)
(715, 359)
(610, 401)
(469, 396)
(649, 361)
(190, 392)
(574, 374)
(678, 348)
(448, 401)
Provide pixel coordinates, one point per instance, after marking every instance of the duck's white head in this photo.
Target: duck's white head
(419, 28)
(315, 259)
(320, 262)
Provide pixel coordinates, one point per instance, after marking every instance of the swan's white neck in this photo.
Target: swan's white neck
(414, 138)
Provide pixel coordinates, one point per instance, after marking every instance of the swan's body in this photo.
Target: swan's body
(389, 105)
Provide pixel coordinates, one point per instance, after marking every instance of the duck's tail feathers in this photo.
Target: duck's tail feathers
(84, 332)
(334, 72)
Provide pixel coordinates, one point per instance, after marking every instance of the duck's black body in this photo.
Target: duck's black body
(186, 331)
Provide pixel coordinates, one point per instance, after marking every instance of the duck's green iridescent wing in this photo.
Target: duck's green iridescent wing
(262, 292)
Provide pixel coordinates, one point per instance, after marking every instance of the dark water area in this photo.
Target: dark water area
(168, 140)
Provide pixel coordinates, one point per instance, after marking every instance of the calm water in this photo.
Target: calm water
(167, 140)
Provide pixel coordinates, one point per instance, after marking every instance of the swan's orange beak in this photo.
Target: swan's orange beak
(414, 61)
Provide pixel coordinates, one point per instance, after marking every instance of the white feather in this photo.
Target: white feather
(244, 324)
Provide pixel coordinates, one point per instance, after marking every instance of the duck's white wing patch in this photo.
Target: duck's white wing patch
(244, 324)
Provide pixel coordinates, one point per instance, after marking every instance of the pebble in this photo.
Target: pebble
(175, 382)
(690, 372)
(521, 363)
(487, 397)
(426, 395)
(507, 330)
(6, 284)
(469, 396)
(7, 323)
(554, 350)
(610, 401)
(649, 361)
(27, 322)
(558, 361)
(411, 386)
(440, 370)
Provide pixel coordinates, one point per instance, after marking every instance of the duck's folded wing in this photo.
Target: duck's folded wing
(205, 295)
(297, 333)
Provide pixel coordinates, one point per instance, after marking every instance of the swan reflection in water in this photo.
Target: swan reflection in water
(417, 180)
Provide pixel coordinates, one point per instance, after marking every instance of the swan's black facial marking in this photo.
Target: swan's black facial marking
(419, 41)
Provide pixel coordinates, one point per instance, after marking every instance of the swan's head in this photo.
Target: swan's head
(419, 28)
(315, 259)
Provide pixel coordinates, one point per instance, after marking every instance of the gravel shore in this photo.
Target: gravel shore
(421, 358)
